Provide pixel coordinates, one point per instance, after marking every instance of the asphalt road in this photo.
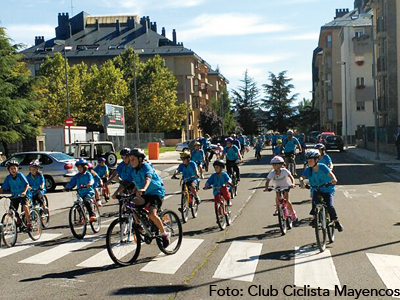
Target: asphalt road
(249, 259)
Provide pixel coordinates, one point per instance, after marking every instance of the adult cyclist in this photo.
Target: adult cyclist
(123, 170)
(290, 145)
(233, 157)
(241, 140)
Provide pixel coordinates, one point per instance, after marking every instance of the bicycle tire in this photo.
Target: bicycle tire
(36, 232)
(173, 227)
(289, 223)
(330, 229)
(77, 222)
(194, 208)
(228, 215)
(45, 213)
(185, 206)
(219, 213)
(281, 220)
(131, 244)
(320, 229)
(233, 186)
(96, 226)
(10, 232)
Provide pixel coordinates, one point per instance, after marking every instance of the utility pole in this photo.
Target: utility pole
(376, 117)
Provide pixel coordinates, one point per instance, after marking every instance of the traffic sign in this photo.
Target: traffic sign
(69, 122)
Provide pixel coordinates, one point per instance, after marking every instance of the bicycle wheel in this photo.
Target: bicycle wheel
(228, 215)
(10, 233)
(320, 229)
(194, 208)
(36, 221)
(77, 222)
(173, 228)
(219, 213)
(289, 223)
(185, 206)
(233, 186)
(96, 225)
(45, 212)
(330, 229)
(123, 242)
(282, 221)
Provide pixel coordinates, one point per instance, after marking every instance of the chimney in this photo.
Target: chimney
(148, 22)
(174, 36)
(154, 26)
(131, 23)
(39, 40)
(341, 12)
(163, 32)
(118, 27)
(96, 25)
(63, 30)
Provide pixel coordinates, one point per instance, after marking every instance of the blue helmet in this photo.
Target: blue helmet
(312, 154)
(82, 162)
(229, 139)
(101, 159)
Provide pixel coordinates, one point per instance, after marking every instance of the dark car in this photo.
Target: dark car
(334, 142)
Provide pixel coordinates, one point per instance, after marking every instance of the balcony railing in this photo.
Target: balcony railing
(382, 64)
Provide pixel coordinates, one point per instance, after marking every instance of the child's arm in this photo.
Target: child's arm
(292, 180)
(334, 180)
(23, 194)
(267, 185)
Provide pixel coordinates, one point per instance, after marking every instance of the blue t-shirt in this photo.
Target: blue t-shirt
(291, 145)
(189, 170)
(82, 179)
(101, 170)
(205, 143)
(16, 185)
(273, 139)
(138, 177)
(231, 153)
(319, 178)
(123, 170)
(278, 150)
(197, 155)
(36, 182)
(326, 160)
(241, 140)
(217, 182)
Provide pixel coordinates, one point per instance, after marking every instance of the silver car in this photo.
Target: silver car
(58, 167)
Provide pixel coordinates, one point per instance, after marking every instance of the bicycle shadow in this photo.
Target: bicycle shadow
(270, 234)
(286, 255)
(201, 231)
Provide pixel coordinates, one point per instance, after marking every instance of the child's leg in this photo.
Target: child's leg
(225, 193)
(193, 190)
(277, 201)
(96, 195)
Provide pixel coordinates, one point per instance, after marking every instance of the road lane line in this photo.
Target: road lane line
(28, 243)
(171, 168)
(169, 264)
(315, 269)
(240, 262)
(58, 252)
(388, 269)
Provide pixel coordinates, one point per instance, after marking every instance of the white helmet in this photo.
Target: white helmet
(289, 132)
(277, 160)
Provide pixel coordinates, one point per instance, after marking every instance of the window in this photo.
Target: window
(329, 96)
(85, 151)
(328, 62)
(329, 41)
(45, 160)
(360, 105)
(360, 82)
(359, 33)
(330, 114)
(328, 80)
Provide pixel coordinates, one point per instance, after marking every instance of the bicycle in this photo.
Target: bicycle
(323, 224)
(79, 217)
(43, 210)
(290, 160)
(126, 233)
(187, 201)
(284, 218)
(14, 223)
(258, 155)
(234, 185)
(223, 212)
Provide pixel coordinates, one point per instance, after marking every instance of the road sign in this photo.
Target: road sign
(115, 120)
(69, 122)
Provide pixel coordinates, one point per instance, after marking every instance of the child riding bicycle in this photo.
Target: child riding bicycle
(102, 170)
(97, 183)
(219, 181)
(198, 157)
(283, 179)
(37, 183)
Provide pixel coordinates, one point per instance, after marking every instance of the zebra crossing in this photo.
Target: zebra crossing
(311, 268)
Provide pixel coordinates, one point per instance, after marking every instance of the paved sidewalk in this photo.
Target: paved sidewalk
(169, 157)
(369, 156)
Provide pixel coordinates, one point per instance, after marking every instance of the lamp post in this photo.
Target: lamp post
(376, 118)
(136, 100)
(187, 104)
(343, 63)
(62, 43)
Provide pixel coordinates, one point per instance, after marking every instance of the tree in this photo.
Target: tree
(307, 117)
(18, 104)
(245, 102)
(223, 108)
(278, 102)
(210, 122)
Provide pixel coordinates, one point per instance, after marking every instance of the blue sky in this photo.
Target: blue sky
(259, 35)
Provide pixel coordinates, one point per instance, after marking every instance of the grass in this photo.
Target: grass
(162, 150)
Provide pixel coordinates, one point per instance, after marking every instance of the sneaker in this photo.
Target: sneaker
(294, 216)
(106, 198)
(275, 213)
(229, 203)
(197, 200)
(338, 226)
(93, 219)
(165, 239)
(99, 203)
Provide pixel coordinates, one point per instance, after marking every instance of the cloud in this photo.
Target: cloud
(312, 36)
(25, 33)
(229, 24)
(141, 5)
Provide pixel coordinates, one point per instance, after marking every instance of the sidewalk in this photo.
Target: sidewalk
(370, 156)
(169, 157)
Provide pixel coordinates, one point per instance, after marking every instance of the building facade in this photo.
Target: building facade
(96, 39)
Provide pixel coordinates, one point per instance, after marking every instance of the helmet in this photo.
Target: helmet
(138, 153)
(207, 136)
(101, 159)
(220, 163)
(279, 141)
(81, 161)
(185, 154)
(277, 160)
(233, 135)
(229, 139)
(124, 151)
(320, 146)
(12, 163)
(90, 166)
(289, 132)
(312, 154)
(35, 163)
(197, 143)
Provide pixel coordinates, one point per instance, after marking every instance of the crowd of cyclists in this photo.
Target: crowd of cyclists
(138, 177)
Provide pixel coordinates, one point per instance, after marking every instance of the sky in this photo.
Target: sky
(260, 36)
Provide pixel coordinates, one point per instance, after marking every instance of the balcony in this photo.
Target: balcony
(382, 104)
(382, 64)
(362, 44)
(364, 93)
(380, 25)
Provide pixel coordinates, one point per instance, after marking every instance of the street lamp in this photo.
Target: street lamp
(62, 43)
(376, 117)
(187, 104)
(343, 63)
(136, 100)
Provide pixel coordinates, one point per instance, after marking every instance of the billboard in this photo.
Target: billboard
(115, 120)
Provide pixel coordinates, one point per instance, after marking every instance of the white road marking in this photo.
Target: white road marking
(315, 269)
(173, 194)
(28, 243)
(171, 168)
(169, 264)
(388, 268)
(240, 262)
(347, 194)
(58, 252)
(376, 195)
(101, 259)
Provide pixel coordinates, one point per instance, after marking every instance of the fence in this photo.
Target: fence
(130, 141)
(386, 137)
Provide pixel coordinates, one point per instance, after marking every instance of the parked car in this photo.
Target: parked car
(321, 137)
(313, 136)
(334, 142)
(92, 151)
(58, 167)
(189, 145)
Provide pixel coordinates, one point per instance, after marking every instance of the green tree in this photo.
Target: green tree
(278, 102)
(307, 117)
(18, 104)
(245, 101)
(210, 122)
(223, 108)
